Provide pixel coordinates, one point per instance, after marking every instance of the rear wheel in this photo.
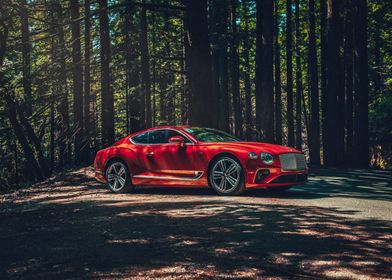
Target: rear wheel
(118, 177)
(226, 176)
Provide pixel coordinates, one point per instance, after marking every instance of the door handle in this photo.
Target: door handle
(149, 154)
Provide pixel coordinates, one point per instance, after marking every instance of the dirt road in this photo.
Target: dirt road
(337, 226)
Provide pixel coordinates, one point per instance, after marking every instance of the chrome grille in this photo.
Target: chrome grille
(292, 161)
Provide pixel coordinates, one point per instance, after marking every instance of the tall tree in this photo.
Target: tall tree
(314, 137)
(333, 125)
(348, 74)
(77, 82)
(278, 84)
(235, 71)
(145, 67)
(247, 84)
(64, 135)
(323, 66)
(264, 70)
(289, 75)
(106, 92)
(220, 61)
(87, 57)
(198, 61)
(135, 107)
(26, 63)
(361, 130)
(298, 80)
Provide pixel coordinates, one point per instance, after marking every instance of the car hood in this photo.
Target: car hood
(257, 147)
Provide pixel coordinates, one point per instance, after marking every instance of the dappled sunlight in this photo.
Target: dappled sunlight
(156, 233)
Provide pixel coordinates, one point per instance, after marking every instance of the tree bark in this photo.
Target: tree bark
(314, 133)
(145, 71)
(247, 84)
(88, 131)
(77, 82)
(26, 64)
(264, 70)
(135, 105)
(235, 71)
(220, 58)
(333, 154)
(289, 75)
(278, 84)
(298, 80)
(323, 67)
(361, 122)
(106, 92)
(64, 142)
(348, 68)
(199, 70)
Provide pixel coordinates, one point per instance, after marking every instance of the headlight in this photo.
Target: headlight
(267, 158)
(252, 155)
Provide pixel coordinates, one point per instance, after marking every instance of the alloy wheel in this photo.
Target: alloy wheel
(116, 176)
(226, 175)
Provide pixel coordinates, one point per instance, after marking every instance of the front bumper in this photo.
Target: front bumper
(275, 177)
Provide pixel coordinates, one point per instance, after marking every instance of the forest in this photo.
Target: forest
(77, 75)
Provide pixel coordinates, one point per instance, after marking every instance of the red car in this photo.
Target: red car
(198, 157)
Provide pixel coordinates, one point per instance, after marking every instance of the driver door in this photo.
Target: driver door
(173, 163)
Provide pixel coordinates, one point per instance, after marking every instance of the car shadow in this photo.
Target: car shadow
(350, 183)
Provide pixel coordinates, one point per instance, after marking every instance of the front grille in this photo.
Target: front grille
(292, 161)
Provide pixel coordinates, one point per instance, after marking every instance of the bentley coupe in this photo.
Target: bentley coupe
(186, 156)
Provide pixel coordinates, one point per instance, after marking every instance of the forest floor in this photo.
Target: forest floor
(338, 226)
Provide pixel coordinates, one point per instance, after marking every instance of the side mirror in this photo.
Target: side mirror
(177, 140)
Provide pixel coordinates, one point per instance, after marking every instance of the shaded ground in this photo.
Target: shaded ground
(339, 225)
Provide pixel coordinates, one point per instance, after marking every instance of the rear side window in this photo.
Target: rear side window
(141, 138)
(158, 137)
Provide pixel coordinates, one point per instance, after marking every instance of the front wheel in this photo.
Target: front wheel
(118, 177)
(226, 176)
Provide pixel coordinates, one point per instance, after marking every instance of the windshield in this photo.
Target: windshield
(210, 135)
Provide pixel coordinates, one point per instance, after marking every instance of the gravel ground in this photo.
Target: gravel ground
(337, 226)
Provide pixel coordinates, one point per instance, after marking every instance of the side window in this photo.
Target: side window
(141, 138)
(171, 133)
(158, 136)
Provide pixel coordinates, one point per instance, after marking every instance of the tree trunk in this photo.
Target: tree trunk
(145, 71)
(106, 94)
(361, 129)
(26, 65)
(247, 84)
(323, 67)
(298, 81)
(348, 69)
(64, 143)
(314, 133)
(334, 122)
(289, 75)
(77, 82)
(220, 58)
(87, 50)
(198, 59)
(135, 105)
(278, 85)
(235, 71)
(264, 70)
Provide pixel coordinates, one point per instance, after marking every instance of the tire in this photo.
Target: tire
(118, 177)
(226, 176)
(278, 189)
